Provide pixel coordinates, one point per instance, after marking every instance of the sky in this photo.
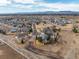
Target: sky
(17, 6)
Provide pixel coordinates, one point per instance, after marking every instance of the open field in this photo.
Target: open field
(8, 53)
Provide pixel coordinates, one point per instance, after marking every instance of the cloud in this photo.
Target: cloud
(37, 5)
(24, 1)
(4, 2)
(40, 5)
(29, 7)
(59, 6)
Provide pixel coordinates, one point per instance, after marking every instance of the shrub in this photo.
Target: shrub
(39, 39)
(75, 30)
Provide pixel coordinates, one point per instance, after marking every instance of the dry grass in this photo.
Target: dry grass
(7, 53)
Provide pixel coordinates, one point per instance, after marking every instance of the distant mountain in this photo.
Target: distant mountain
(53, 12)
(44, 13)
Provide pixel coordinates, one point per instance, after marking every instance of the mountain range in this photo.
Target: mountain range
(46, 13)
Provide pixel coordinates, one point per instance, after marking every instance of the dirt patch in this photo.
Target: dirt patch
(7, 53)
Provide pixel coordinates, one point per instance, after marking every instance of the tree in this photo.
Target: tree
(57, 37)
(39, 38)
(22, 41)
(75, 30)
